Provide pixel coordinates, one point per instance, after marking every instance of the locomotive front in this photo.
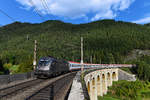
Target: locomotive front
(43, 67)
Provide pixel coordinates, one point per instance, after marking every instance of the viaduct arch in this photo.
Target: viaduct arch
(97, 82)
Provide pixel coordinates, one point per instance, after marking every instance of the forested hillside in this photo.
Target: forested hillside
(106, 41)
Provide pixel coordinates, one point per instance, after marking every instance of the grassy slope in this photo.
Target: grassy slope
(127, 92)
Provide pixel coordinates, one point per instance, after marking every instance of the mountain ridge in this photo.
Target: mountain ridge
(107, 41)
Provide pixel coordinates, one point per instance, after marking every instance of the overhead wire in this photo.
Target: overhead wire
(45, 1)
(45, 5)
(36, 10)
(11, 18)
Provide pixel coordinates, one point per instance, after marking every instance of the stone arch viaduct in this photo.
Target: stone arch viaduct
(97, 82)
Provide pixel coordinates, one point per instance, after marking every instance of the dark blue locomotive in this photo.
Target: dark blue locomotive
(49, 66)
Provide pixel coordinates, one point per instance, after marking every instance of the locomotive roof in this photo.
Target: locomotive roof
(47, 58)
(52, 58)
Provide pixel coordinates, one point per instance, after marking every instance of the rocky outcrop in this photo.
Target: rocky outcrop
(122, 75)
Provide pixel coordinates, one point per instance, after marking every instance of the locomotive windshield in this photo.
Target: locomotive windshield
(44, 62)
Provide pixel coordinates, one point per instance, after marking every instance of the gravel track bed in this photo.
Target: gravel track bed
(11, 91)
(56, 90)
(23, 94)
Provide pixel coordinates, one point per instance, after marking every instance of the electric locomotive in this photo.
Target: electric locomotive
(50, 66)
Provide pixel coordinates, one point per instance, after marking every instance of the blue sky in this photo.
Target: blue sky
(75, 11)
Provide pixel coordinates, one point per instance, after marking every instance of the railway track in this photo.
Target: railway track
(15, 89)
(56, 90)
(50, 89)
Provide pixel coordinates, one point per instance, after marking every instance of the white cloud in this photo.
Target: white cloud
(143, 20)
(80, 8)
(109, 14)
(125, 4)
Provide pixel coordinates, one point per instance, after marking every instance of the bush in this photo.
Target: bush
(7, 66)
(142, 69)
(25, 67)
(126, 90)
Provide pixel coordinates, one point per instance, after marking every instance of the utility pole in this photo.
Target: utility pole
(82, 66)
(27, 37)
(72, 58)
(35, 50)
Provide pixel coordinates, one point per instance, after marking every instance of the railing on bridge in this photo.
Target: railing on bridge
(5, 79)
